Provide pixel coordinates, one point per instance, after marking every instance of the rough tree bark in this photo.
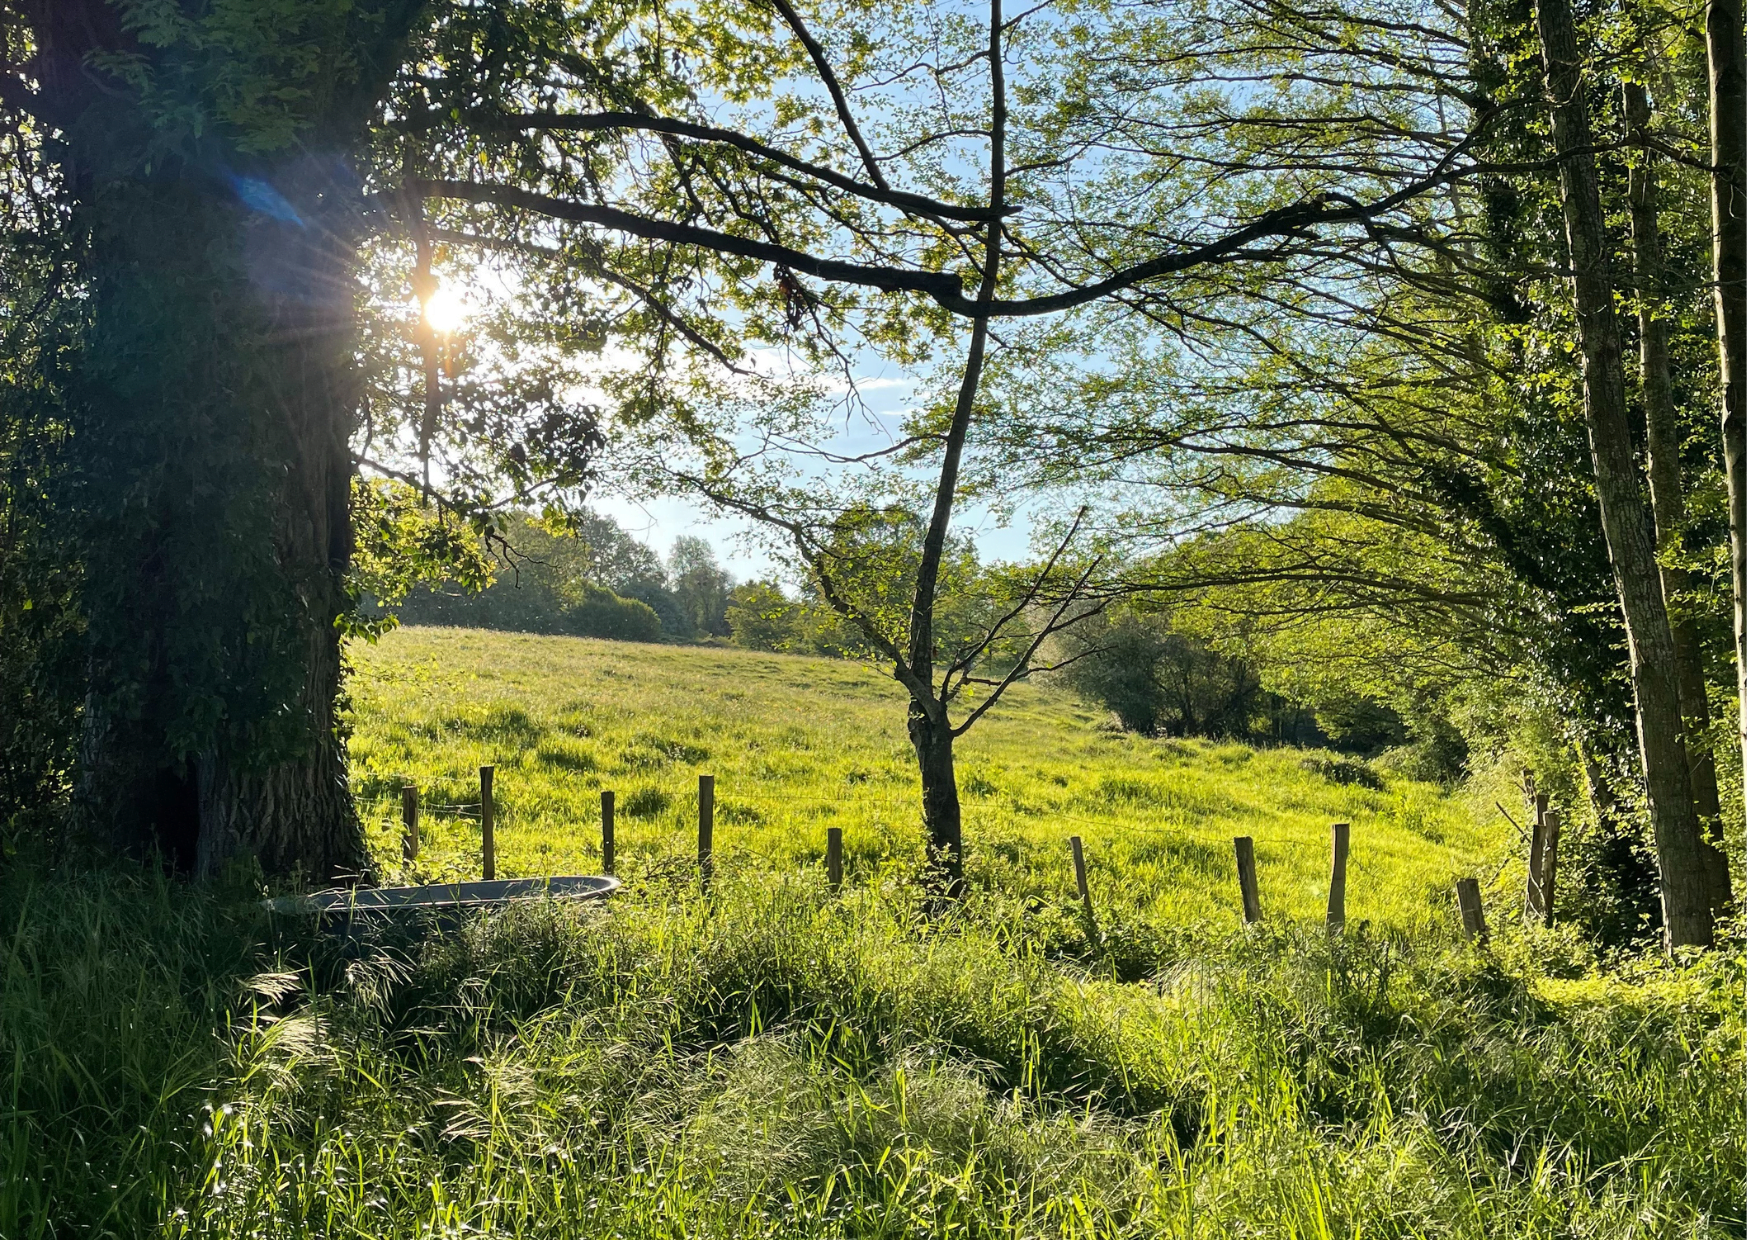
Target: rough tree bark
(1729, 126)
(297, 816)
(1687, 916)
(209, 415)
(1668, 498)
(210, 418)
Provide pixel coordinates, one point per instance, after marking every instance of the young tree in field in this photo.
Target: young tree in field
(681, 180)
(911, 178)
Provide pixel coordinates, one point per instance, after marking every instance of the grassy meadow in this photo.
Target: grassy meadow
(800, 744)
(779, 1061)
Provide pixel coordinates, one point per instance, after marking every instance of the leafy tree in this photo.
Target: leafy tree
(1159, 681)
(700, 586)
(1385, 458)
(761, 616)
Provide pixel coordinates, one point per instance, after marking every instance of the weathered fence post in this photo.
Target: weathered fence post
(487, 845)
(1076, 851)
(606, 832)
(1336, 919)
(409, 823)
(834, 857)
(1469, 905)
(1533, 906)
(1550, 862)
(706, 830)
(1246, 851)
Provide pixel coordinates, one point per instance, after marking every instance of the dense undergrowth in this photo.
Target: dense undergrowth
(780, 1061)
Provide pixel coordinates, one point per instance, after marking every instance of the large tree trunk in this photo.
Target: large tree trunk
(209, 409)
(1687, 916)
(1668, 499)
(1729, 125)
(297, 816)
(210, 417)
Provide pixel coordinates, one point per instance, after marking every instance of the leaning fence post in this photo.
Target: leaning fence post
(1336, 919)
(706, 830)
(1550, 862)
(1469, 905)
(834, 857)
(606, 832)
(1533, 906)
(1079, 854)
(1246, 851)
(487, 845)
(409, 823)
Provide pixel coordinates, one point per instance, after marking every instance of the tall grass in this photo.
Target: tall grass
(800, 744)
(780, 1060)
(783, 1062)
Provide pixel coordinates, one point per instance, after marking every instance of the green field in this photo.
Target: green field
(780, 1061)
(799, 744)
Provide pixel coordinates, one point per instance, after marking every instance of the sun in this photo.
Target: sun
(445, 311)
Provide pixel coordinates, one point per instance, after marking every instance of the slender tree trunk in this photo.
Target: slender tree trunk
(933, 742)
(1687, 917)
(931, 730)
(1729, 101)
(1668, 501)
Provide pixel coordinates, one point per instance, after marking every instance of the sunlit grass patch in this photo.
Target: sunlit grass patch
(797, 744)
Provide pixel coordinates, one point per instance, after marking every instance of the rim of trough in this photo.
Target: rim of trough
(476, 893)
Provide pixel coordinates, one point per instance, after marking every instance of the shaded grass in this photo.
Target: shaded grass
(783, 1063)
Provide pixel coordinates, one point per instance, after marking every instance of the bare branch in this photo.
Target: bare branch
(830, 80)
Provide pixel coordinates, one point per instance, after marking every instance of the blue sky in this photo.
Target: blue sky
(887, 396)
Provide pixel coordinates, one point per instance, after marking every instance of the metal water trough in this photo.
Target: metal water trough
(445, 897)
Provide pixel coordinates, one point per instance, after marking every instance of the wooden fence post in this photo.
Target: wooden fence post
(1469, 905)
(1533, 907)
(1336, 918)
(834, 857)
(1246, 851)
(1076, 851)
(409, 823)
(487, 845)
(1550, 862)
(606, 832)
(706, 830)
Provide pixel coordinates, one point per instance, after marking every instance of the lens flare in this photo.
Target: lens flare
(445, 311)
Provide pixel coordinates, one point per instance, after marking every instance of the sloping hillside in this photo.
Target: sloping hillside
(798, 744)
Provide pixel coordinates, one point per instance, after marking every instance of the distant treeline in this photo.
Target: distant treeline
(596, 581)
(1155, 679)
